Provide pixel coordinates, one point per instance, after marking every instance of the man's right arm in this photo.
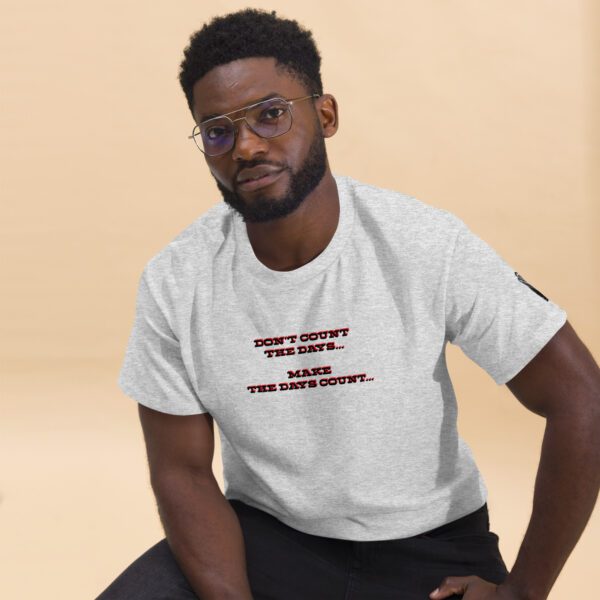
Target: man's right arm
(201, 527)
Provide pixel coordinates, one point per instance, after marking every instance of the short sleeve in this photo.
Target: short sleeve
(498, 319)
(153, 371)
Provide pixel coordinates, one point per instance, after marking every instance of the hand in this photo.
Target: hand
(473, 588)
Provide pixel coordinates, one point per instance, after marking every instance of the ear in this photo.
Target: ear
(327, 110)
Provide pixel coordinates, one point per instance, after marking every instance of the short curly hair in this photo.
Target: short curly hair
(251, 33)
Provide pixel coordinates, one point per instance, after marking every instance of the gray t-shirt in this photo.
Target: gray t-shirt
(329, 382)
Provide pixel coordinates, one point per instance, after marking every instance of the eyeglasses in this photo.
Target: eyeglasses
(268, 119)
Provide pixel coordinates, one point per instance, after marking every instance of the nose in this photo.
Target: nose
(247, 143)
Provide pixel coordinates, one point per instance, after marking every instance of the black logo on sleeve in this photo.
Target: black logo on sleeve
(530, 286)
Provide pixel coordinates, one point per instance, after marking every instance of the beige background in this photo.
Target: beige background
(487, 109)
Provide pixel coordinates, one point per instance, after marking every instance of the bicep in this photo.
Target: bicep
(562, 379)
(176, 442)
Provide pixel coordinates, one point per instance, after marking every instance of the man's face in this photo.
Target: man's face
(297, 159)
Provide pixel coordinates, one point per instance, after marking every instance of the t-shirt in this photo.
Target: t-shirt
(329, 382)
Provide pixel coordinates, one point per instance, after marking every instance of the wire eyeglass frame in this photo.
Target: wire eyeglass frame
(197, 133)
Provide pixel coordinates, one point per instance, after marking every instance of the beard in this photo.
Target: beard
(264, 208)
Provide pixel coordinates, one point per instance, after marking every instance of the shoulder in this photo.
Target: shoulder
(402, 216)
(181, 259)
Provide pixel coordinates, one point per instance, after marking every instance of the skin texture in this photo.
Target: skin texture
(201, 527)
(295, 239)
(301, 183)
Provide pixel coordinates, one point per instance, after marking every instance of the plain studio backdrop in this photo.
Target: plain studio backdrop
(486, 109)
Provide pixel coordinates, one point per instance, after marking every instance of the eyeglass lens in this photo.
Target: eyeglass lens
(267, 119)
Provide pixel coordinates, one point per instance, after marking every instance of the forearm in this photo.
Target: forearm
(204, 534)
(566, 489)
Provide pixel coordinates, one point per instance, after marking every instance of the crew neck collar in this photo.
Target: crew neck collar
(250, 264)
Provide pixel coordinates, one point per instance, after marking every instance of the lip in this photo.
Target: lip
(261, 182)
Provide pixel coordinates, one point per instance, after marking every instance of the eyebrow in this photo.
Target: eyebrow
(267, 97)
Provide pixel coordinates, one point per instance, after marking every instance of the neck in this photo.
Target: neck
(292, 241)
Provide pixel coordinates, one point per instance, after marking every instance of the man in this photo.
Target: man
(308, 315)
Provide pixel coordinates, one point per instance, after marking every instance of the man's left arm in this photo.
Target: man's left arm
(562, 384)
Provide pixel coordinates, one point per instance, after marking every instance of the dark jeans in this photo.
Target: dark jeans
(286, 564)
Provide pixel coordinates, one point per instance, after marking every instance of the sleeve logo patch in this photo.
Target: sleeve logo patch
(530, 286)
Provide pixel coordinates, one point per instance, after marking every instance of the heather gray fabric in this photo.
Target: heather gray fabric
(329, 382)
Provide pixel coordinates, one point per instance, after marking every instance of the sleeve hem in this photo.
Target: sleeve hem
(160, 406)
(542, 338)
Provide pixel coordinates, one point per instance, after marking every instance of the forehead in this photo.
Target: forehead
(239, 83)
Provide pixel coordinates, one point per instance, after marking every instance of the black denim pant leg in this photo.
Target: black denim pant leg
(286, 564)
(155, 575)
(282, 564)
(411, 568)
